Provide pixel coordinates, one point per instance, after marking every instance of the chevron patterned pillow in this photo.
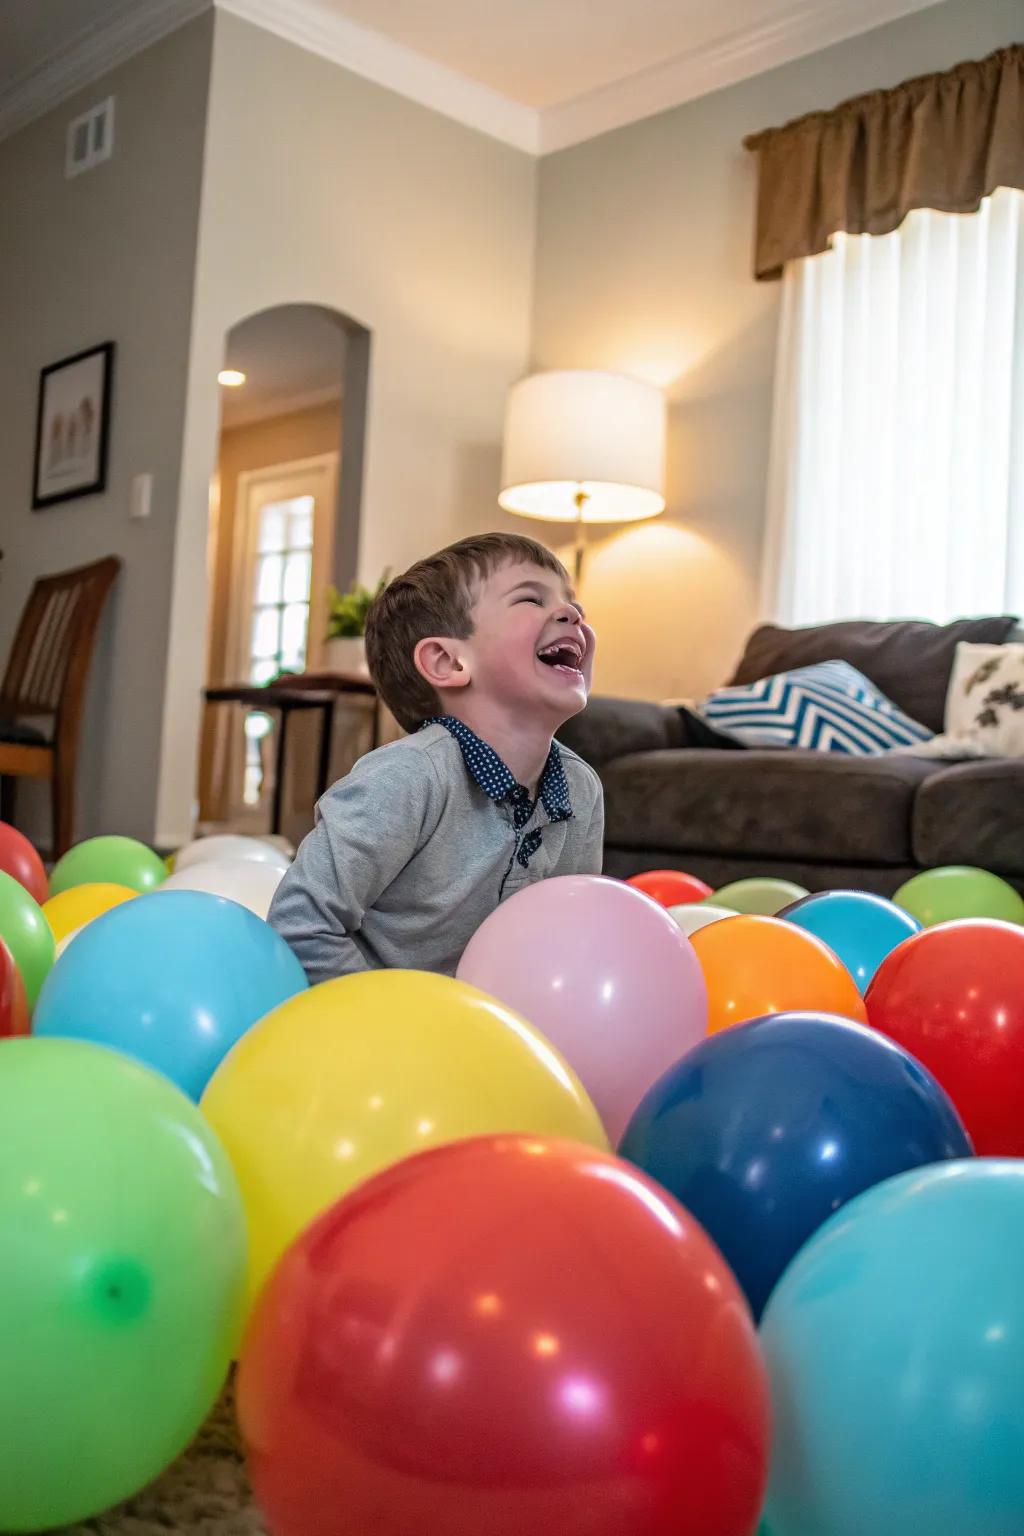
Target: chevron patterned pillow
(830, 707)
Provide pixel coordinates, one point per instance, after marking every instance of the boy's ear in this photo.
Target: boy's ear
(442, 663)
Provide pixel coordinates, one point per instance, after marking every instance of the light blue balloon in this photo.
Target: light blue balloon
(172, 979)
(895, 1347)
(858, 927)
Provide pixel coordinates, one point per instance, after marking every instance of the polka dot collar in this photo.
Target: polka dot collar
(499, 783)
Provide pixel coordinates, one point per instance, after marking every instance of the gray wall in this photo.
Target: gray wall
(643, 264)
(324, 188)
(108, 256)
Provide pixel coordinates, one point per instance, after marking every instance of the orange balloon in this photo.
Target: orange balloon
(758, 965)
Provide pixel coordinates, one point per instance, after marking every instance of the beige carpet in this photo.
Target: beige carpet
(205, 1493)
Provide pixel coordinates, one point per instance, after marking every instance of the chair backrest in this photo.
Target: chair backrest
(49, 661)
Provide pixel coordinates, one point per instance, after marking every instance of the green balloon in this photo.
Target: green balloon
(758, 897)
(943, 895)
(27, 935)
(119, 860)
(122, 1267)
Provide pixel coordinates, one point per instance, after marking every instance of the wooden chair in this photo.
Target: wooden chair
(45, 682)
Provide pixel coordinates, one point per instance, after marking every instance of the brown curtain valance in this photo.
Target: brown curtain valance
(941, 141)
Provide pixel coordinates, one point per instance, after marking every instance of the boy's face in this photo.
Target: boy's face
(530, 647)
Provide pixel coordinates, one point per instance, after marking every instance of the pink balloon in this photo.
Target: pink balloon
(604, 973)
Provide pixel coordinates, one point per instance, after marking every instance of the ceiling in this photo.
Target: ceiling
(536, 73)
(542, 53)
(292, 358)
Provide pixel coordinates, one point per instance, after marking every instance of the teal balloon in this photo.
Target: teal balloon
(895, 1348)
(122, 1271)
(858, 927)
(173, 979)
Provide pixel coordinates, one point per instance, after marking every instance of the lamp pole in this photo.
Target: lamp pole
(581, 498)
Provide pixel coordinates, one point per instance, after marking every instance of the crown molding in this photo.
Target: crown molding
(90, 53)
(316, 26)
(805, 28)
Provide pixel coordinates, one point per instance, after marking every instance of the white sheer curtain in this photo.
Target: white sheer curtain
(896, 485)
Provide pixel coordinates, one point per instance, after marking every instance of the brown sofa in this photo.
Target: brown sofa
(680, 795)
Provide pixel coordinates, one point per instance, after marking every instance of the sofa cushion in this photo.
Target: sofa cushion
(610, 728)
(829, 707)
(765, 804)
(17, 732)
(910, 661)
(984, 705)
(973, 814)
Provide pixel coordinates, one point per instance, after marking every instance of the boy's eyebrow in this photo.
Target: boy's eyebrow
(527, 581)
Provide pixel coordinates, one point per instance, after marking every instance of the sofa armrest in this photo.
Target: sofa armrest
(611, 728)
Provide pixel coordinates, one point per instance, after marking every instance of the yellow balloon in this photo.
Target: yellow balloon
(349, 1077)
(74, 908)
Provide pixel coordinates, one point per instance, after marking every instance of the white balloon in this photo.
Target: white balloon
(249, 882)
(277, 840)
(691, 915)
(230, 846)
(63, 943)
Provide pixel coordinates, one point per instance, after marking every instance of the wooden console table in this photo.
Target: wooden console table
(300, 691)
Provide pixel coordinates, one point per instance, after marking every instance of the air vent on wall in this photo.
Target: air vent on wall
(90, 138)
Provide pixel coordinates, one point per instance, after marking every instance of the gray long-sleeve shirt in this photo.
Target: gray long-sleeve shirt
(410, 854)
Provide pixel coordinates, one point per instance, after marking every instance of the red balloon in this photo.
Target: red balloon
(670, 887)
(14, 1015)
(20, 860)
(505, 1337)
(954, 997)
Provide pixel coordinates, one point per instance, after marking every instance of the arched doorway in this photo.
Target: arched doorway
(284, 528)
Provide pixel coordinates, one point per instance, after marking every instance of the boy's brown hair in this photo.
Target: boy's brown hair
(435, 597)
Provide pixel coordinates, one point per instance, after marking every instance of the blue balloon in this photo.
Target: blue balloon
(895, 1347)
(858, 927)
(764, 1130)
(173, 979)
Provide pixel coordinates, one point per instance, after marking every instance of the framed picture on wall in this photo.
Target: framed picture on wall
(73, 427)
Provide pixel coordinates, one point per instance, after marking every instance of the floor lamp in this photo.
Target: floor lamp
(583, 447)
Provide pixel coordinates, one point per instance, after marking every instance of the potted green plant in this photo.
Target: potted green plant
(345, 644)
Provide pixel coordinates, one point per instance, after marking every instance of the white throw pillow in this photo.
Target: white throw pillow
(984, 704)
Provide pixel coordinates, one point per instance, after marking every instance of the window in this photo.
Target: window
(896, 485)
(282, 577)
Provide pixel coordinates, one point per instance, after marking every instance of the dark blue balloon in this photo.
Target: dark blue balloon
(765, 1129)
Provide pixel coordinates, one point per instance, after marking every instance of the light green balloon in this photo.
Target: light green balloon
(122, 1265)
(113, 860)
(758, 896)
(955, 891)
(28, 936)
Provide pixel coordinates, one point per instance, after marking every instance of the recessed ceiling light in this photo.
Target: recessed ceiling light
(230, 377)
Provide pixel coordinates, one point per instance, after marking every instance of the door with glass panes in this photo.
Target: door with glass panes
(285, 524)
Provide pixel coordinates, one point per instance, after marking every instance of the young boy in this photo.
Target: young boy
(481, 652)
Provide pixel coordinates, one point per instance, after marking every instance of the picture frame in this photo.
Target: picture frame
(73, 427)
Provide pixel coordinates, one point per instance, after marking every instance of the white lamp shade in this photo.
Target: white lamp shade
(573, 430)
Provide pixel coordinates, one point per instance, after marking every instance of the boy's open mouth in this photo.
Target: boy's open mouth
(564, 656)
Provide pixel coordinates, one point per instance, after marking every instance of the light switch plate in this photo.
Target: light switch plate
(142, 496)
